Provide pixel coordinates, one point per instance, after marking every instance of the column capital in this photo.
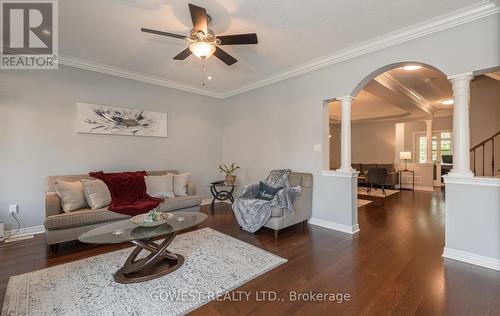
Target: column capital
(462, 76)
(346, 98)
(429, 121)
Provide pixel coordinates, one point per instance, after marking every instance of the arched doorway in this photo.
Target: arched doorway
(399, 109)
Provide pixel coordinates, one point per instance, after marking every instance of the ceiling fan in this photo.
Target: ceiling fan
(203, 42)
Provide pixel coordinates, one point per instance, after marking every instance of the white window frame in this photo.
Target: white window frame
(416, 135)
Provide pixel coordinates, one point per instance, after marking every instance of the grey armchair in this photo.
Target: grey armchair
(282, 218)
(375, 177)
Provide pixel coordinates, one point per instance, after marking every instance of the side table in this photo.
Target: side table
(221, 192)
(401, 178)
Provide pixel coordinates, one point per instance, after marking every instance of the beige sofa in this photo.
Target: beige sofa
(282, 218)
(61, 226)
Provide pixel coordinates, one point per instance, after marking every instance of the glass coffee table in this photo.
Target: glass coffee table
(159, 261)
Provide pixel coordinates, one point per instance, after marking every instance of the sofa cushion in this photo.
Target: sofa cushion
(71, 195)
(180, 183)
(180, 202)
(160, 186)
(96, 193)
(82, 217)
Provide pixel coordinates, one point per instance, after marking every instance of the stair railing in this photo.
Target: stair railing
(482, 146)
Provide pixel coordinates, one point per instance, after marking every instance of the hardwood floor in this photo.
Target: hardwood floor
(392, 267)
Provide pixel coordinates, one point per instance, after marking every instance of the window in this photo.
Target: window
(422, 149)
(446, 143)
(444, 139)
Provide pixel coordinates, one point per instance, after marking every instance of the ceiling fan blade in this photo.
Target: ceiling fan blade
(199, 18)
(163, 33)
(183, 55)
(225, 57)
(238, 39)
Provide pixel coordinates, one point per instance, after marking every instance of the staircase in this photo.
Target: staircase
(485, 157)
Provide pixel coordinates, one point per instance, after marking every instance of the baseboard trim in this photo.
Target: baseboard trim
(26, 231)
(471, 258)
(209, 201)
(423, 188)
(334, 226)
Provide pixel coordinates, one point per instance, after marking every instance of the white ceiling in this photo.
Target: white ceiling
(290, 32)
(368, 106)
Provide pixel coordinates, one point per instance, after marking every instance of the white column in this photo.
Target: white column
(345, 134)
(428, 129)
(399, 141)
(461, 133)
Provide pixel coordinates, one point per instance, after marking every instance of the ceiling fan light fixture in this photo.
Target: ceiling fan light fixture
(411, 67)
(202, 50)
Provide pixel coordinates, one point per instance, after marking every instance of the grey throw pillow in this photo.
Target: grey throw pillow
(278, 178)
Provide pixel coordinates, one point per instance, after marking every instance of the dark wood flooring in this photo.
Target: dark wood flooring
(392, 267)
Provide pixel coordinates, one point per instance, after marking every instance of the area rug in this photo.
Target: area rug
(363, 202)
(215, 264)
(377, 193)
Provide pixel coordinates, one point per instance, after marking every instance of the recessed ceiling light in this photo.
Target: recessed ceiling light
(447, 101)
(411, 67)
(209, 77)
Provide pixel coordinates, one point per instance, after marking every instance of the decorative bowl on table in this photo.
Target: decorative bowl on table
(151, 219)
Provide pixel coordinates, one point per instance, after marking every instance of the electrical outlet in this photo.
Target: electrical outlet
(317, 148)
(13, 209)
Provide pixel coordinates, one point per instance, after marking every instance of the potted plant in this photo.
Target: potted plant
(230, 172)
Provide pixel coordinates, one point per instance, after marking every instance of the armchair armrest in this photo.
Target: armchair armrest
(52, 204)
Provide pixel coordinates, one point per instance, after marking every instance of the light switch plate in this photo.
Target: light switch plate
(317, 148)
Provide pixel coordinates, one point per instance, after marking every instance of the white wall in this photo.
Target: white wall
(473, 221)
(276, 126)
(373, 142)
(38, 138)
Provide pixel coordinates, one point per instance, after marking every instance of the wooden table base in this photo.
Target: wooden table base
(159, 262)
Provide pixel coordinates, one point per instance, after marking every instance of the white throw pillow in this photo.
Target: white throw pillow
(180, 183)
(71, 195)
(160, 186)
(96, 193)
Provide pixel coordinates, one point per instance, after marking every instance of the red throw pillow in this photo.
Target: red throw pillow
(128, 192)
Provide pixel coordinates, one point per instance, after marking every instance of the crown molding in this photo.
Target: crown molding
(416, 98)
(127, 74)
(467, 14)
(461, 16)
